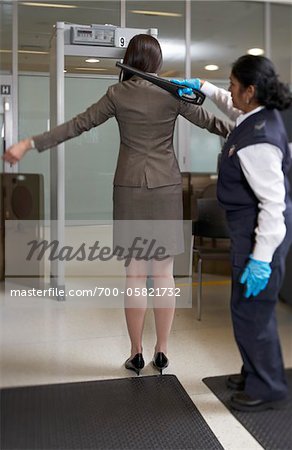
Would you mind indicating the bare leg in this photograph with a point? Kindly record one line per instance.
(136, 305)
(164, 306)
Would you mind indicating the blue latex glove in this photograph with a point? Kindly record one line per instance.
(193, 83)
(256, 276)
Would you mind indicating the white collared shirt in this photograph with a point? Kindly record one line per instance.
(262, 167)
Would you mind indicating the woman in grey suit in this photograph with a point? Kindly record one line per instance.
(147, 182)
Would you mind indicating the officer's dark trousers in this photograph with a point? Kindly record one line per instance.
(254, 319)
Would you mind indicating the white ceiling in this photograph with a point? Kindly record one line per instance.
(221, 31)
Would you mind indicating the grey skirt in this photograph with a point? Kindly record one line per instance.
(149, 221)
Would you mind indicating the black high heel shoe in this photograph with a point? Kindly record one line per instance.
(136, 363)
(160, 361)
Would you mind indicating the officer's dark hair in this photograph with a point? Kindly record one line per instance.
(144, 53)
(260, 72)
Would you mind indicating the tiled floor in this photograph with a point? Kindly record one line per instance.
(45, 341)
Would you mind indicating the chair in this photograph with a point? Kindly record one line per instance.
(210, 226)
(187, 192)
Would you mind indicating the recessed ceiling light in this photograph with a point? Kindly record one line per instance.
(31, 52)
(155, 13)
(89, 68)
(255, 51)
(48, 5)
(92, 60)
(211, 67)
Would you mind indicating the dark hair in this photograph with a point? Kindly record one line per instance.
(260, 72)
(143, 53)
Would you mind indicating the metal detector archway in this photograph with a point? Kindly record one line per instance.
(103, 41)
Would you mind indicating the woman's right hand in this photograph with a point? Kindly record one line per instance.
(16, 152)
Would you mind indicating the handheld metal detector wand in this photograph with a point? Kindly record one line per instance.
(197, 97)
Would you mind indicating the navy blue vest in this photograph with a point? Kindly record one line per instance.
(233, 191)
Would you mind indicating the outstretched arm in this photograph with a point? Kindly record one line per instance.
(204, 119)
(95, 115)
(221, 98)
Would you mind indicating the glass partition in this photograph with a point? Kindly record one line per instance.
(6, 37)
(169, 18)
(90, 159)
(221, 32)
(281, 40)
(34, 119)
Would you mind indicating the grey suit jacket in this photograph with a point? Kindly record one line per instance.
(146, 116)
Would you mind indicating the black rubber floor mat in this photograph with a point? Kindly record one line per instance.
(152, 412)
(271, 428)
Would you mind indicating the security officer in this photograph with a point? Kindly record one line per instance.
(253, 189)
